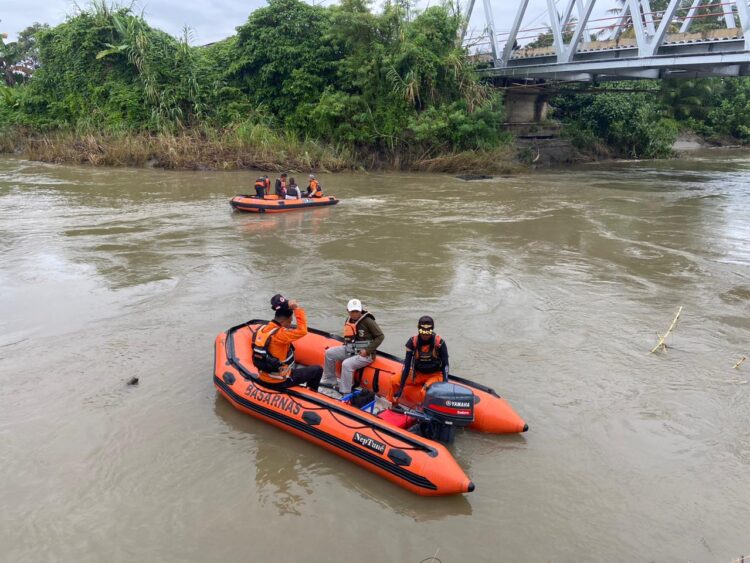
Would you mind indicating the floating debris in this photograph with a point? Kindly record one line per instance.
(469, 177)
(133, 381)
(738, 364)
(662, 344)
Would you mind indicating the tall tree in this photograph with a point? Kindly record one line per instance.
(19, 59)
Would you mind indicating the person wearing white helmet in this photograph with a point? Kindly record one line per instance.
(314, 189)
(362, 336)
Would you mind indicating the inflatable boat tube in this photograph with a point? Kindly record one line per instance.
(272, 204)
(492, 413)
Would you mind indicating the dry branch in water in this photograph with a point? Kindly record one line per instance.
(738, 364)
(662, 344)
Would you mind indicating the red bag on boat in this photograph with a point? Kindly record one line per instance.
(398, 419)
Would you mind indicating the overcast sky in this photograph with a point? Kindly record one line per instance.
(217, 19)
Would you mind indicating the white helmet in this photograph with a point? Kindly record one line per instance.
(311, 176)
(354, 305)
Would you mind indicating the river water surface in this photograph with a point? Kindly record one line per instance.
(549, 288)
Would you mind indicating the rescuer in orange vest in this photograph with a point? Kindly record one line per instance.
(273, 351)
(426, 362)
(313, 188)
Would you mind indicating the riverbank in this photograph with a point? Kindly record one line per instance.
(229, 150)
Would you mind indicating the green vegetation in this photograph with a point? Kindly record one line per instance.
(645, 124)
(310, 87)
(19, 59)
(632, 125)
(334, 87)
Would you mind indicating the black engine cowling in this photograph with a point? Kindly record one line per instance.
(448, 405)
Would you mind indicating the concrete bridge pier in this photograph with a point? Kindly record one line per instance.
(525, 105)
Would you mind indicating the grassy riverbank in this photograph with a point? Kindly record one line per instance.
(299, 87)
(231, 149)
(313, 88)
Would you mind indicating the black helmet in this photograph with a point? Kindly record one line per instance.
(426, 325)
(278, 302)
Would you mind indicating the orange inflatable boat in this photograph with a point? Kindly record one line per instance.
(272, 203)
(381, 442)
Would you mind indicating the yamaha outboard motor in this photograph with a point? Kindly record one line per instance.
(446, 405)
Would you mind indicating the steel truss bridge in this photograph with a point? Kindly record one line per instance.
(639, 42)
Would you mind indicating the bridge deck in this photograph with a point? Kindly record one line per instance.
(718, 52)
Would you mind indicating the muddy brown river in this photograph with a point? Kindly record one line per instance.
(549, 287)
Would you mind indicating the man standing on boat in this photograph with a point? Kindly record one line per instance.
(426, 362)
(273, 352)
(260, 187)
(362, 336)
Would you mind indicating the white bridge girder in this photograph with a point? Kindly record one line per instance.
(655, 51)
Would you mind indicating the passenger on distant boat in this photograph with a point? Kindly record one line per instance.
(260, 187)
(314, 189)
(281, 187)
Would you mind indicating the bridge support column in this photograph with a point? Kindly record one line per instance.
(527, 105)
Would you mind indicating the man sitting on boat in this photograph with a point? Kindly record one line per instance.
(314, 188)
(426, 362)
(293, 191)
(273, 351)
(362, 336)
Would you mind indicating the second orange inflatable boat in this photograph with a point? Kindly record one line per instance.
(272, 203)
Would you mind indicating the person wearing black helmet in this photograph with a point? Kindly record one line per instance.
(426, 362)
(278, 301)
(273, 351)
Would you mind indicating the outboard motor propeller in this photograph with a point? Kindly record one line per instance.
(447, 406)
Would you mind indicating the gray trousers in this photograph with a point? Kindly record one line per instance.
(349, 364)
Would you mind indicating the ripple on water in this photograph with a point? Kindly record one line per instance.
(737, 295)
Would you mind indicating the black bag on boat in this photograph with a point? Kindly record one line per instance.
(362, 399)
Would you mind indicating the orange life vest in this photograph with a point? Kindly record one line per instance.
(271, 369)
(352, 340)
(315, 190)
(426, 356)
(260, 183)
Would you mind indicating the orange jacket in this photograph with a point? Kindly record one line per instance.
(282, 340)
